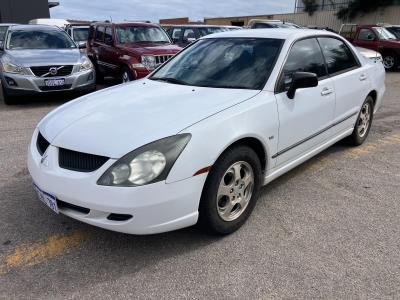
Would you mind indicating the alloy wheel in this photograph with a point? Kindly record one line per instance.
(364, 120)
(388, 62)
(235, 191)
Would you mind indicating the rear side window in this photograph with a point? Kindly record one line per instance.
(176, 33)
(189, 34)
(339, 58)
(305, 56)
(99, 33)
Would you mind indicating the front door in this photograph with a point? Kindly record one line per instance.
(305, 119)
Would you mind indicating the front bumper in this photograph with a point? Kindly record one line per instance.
(30, 84)
(155, 208)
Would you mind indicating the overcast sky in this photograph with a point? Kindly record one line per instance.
(154, 10)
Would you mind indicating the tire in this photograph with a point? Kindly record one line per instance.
(126, 75)
(8, 100)
(221, 214)
(363, 124)
(390, 61)
(98, 74)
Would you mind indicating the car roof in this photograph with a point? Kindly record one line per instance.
(7, 24)
(34, 26)
(201, 26)
(273, 33)
(126, 24)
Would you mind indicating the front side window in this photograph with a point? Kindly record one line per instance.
(189, 34)
(108, 36)
(338, 56)
(99, 33)
(39, 39)
(305, 56)
(239, 63)
(140, 34)
(176, 34)
(366, 35)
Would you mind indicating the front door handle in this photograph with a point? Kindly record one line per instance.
(326, 92)
(363, 77)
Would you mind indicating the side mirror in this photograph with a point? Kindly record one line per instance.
(81, 45)
(302, 80)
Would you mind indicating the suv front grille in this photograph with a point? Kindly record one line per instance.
(80, 162)
(42, 144)
(52, 71)
(160, 59)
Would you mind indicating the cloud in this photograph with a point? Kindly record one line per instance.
(154, 10)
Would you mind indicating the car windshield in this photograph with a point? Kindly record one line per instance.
(138, 34)
(239, 63)
(39, 39)
(274, 25)
(210, 30)
(3, 31)
(384, 34)
(81, 34)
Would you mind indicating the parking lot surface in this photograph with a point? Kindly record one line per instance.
(328, 229)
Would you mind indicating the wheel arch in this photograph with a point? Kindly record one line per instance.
(374, 95)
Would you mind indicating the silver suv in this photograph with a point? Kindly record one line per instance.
(42, 59)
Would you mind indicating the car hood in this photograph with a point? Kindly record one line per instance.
(45, 57)
(150, 48)
(117, 120)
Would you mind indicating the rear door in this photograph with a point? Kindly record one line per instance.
(350, 80)
(98, 48)
(305, 119)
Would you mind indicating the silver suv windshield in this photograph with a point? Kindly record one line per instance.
(81, 34)
(39, 39)
(237, 63)
(138, 34)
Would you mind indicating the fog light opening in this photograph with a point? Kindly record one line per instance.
(119, 217)
(10, 81)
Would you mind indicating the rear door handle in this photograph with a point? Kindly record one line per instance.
(363, 77)
(326, 92)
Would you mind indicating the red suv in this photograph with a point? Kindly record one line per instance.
(128, 51)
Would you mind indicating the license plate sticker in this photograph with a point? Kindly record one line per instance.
(54, 82)
(46, 198)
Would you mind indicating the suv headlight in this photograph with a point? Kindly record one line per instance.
(149, 61)
(85, 65)
(148, 164)
(13, 68)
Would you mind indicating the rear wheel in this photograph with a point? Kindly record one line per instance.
(363, 124)
(231, 190)
(390, 61)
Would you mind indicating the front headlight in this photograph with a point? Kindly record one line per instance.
(149, 61)
(148, 164)
(12, 68)
(86, 65)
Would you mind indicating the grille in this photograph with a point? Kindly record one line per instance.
(80, 162)
(160, 59)
(42, 144)
(55, 88)
(44, 71)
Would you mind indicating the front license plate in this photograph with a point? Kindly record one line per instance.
(46, 198)
(54, 82)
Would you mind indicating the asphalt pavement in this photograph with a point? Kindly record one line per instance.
(329, 229)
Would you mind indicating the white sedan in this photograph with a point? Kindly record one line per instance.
(195, 141)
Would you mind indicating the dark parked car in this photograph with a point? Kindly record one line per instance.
(375, 38)
(128, 51)
(261, 24)
(184, 35)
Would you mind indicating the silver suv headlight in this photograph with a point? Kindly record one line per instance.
(148, 164)
(9, 67)
(85, 65)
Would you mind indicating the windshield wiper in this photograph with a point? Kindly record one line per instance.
(170, 80)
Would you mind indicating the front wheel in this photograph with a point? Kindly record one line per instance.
(231, 191)
(126, 75)
(389, 61)
(363, 124)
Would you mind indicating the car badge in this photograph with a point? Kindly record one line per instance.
(53, 71)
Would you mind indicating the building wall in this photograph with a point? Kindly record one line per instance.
(22, 11)
(323, 5)
(389, 15)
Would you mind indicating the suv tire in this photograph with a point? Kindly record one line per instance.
(363, 124)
